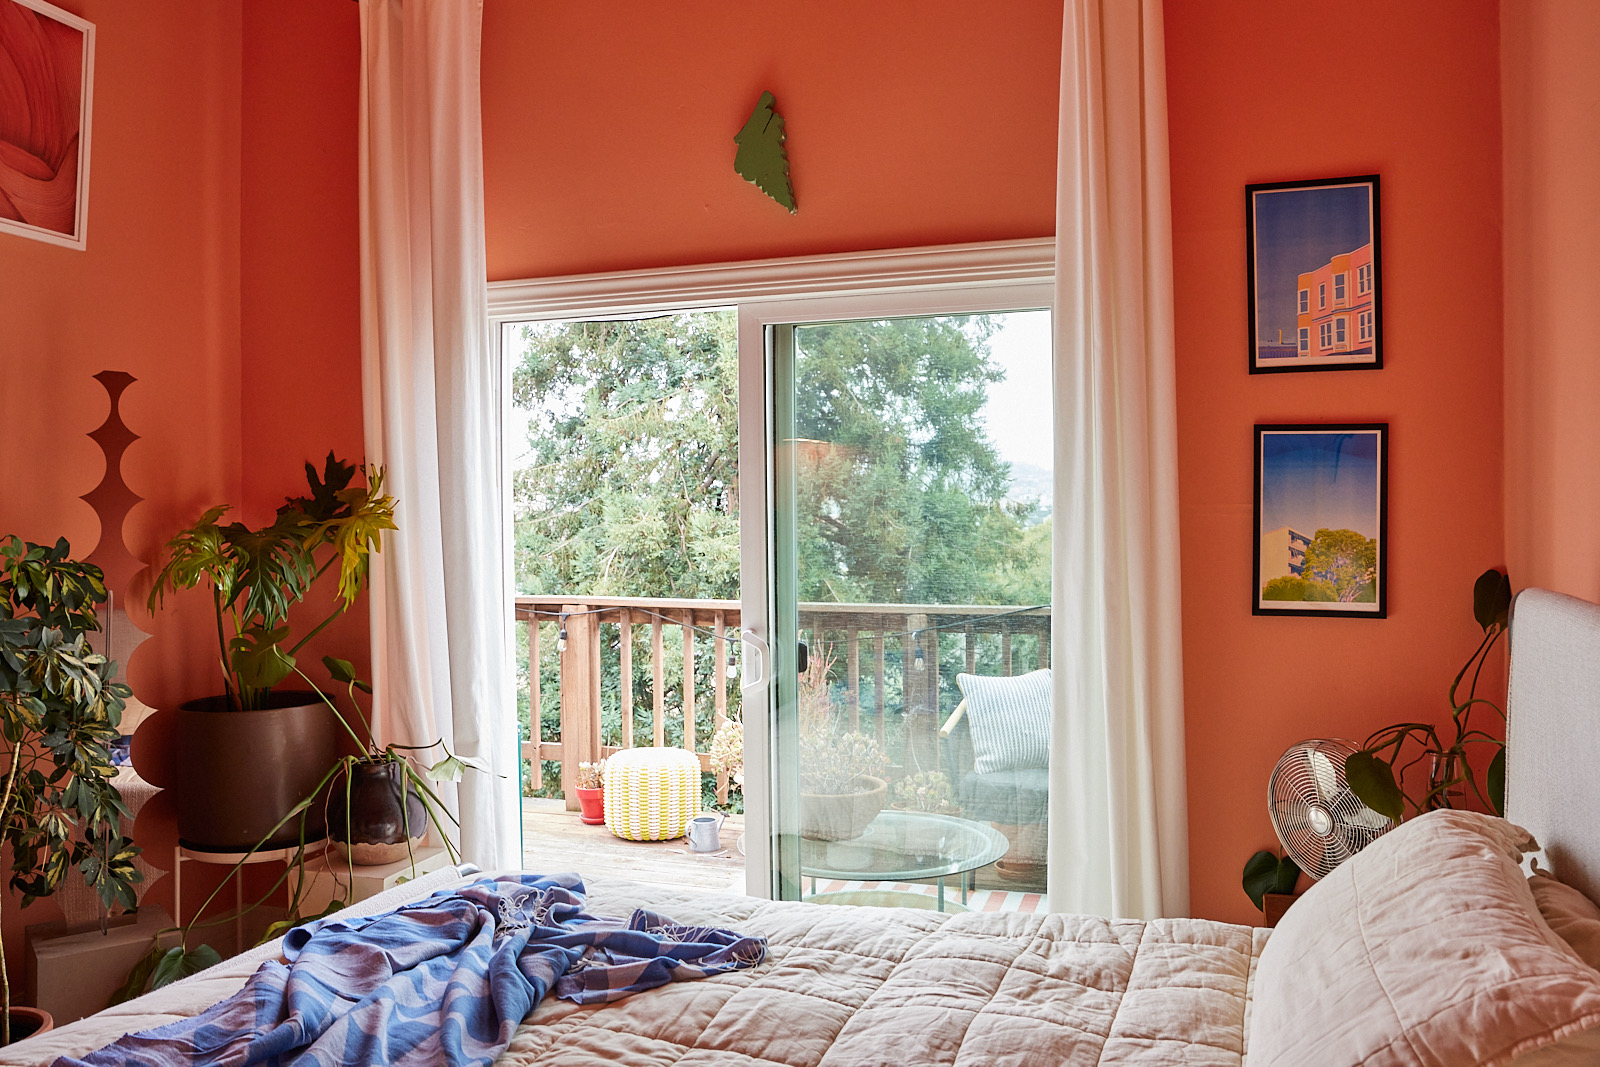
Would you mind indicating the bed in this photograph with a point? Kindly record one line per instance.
(1430, 947)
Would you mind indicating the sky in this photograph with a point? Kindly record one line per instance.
(1298, 230)
(1017, 414)
(1313, 481)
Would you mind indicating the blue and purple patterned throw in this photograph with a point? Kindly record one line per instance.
(446, 980)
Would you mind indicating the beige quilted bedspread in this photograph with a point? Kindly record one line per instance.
(855, 987)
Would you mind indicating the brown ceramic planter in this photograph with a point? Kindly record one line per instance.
(240, 772)
(375, 830)
(842, 816)
(29, 1022)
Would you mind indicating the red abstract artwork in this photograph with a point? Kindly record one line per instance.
(46, 58)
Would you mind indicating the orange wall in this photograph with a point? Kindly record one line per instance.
(156, 293)
(1552, 404)
(1424, 76)
(300, 305)
(608, 129)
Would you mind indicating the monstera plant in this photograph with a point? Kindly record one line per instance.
(1378, 771)
(256, 576)
(59, 712)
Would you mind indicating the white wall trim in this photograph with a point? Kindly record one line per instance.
(991, 263)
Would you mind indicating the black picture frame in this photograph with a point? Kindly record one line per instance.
(1312, 229)
(1312, 479)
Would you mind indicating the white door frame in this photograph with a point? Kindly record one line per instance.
(947, 279)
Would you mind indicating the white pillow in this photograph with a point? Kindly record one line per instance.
(1572, 916)
(1009, 719)
(1424, 948)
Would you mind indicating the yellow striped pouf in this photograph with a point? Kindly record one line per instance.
(651, 793)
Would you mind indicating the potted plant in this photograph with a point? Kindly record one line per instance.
(246, 757)
(727, 752)
(1372, 770)
(930, 793)
(842, 788)
(59, 712)
(591, 782)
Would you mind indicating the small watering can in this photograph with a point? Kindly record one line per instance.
(705, 833)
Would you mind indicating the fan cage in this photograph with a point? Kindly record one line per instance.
(1317, 816)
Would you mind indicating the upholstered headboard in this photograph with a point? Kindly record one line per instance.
(1553, 732)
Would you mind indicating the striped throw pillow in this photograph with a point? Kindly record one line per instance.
(1009, 719)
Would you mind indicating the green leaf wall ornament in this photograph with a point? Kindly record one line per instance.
(761, 158)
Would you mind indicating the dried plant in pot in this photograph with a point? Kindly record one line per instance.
(59, 713)
(842, 773)
(590, 785)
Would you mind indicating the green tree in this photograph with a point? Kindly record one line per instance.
(901, 494)
(1345, 560)
(1290, 587)
(629, 486)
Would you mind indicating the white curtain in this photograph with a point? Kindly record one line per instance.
(1118, 822)
(440, 610)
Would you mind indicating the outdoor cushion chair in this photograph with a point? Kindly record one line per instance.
(1002, 767)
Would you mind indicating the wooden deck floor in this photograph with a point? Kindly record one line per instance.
(554, 839)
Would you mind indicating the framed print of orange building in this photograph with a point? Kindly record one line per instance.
(46, 89)
(1314, 275)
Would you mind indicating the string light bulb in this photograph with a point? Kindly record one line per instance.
(916, 660)
(561, 635)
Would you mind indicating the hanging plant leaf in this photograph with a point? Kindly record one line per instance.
(1491, 598)
(1372, 781)
(761, 158)
(1266, 872)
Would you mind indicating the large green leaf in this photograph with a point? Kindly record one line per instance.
(1266, 873)
(139, 977)
(1372, 781)
(1491, 598)
(1497, 781)
(178, 964)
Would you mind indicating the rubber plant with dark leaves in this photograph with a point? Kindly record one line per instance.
(255, 577)
(1377, 772)
(59, 712)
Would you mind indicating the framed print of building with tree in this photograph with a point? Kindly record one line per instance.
(1321, 531)
(1315, 282)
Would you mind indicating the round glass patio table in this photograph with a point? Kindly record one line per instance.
(906, 846)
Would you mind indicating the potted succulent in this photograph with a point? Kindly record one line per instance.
(591, 782)
(929, 793)
(245, 757)
(59, 712)
(1376, 772)
(842, 788)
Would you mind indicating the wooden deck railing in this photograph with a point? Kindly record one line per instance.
(581, 627)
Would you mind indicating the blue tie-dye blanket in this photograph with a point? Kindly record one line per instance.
(443, 981)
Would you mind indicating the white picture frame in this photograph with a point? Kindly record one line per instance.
(32, 202)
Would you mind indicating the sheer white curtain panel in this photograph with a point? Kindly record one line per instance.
(1118, 820)
(440, 606)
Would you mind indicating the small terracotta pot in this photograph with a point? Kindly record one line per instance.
(29, 1022)
(593, 805)
(376, 830)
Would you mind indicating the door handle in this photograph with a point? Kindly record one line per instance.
(753, 644)
(803, 657)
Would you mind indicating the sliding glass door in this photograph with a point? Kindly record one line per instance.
(908, 562)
